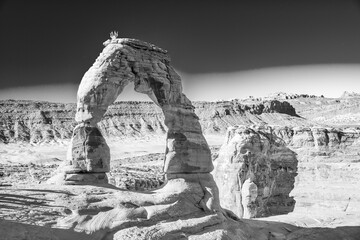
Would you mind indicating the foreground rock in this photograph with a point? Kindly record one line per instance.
(103, 213)
(255, 172)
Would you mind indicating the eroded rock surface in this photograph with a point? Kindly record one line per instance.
(103, 212)
(259, 153)
(190, 196)
(44, 122)
(128, 60)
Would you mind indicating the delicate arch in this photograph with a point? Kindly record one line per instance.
(129, 60)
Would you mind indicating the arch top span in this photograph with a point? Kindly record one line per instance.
(125, 60)
(135, 43)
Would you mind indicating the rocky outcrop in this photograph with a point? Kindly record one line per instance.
(283, 95)
(128, 60)
(340, 112)
(319, 138)
(347, 94)
(35, 122)
(39, 122)
(258, 155)
(215, 118)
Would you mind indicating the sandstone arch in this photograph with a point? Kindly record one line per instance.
(190, 190)
(188, 205)
(128, 60)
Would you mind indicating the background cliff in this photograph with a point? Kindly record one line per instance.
(37, 122)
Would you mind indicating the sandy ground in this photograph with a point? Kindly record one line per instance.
(25, 153)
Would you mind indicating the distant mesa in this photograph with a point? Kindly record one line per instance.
(347, 94)
(287, 96)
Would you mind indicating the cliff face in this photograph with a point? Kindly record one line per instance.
(322, 138)
(35, 121)
(342, 112)
(38, 122)
(258, 152)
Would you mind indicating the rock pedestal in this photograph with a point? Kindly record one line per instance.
(88, 157)
(89, 151)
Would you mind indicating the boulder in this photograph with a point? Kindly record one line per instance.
(255, 158)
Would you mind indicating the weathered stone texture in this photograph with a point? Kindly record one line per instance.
(89, 152)
(43, 122)
(253, 151)
(128, 60)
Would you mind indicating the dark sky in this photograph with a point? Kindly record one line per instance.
(48, 42)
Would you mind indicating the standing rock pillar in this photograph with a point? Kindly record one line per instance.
(186, 148)
(89, 156)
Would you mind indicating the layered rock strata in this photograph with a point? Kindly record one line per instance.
(42, 122)
(255, 155)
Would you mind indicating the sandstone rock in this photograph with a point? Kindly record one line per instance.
(123, 61)
(86, 178)
(248, 197)
(89, 152)
(256, 151)
(35, 122)
(302, 137)
(347, 94)
(99, 213)
(42, 122)
(39, 122)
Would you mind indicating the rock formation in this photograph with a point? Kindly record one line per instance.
(259, 154)
(347, 94)
(248, 197)
(43, 122)
(128, 60)
(190, 191)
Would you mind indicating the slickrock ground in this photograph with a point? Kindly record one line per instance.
(97, 208)
(28, 212)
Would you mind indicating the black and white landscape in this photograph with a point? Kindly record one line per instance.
(250, 130)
